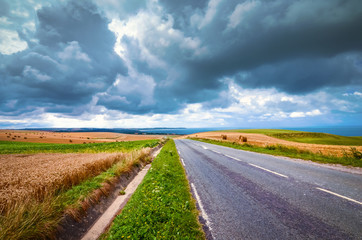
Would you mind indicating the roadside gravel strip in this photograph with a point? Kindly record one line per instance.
(106, 219)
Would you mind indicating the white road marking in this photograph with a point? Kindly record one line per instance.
(281, 175)
(203, 213)
(233, 157)
(216, 151)
(204, 147)
(183, 163)
(338, 195)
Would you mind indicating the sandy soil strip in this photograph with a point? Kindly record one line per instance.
(106, 219)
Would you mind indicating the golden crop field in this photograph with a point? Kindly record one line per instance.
(264, 140)
(24, 176)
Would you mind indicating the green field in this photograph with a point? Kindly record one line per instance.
(7, 147)
(305, 137)
(162, 206)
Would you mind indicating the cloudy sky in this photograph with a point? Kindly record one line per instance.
(171, 63)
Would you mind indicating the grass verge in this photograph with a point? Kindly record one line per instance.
(305, 137)
(7, 147)
(162, 206)
(352, 158)
(34, 219)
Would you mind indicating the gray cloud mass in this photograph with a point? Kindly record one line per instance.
(73, 60)
(175, 53)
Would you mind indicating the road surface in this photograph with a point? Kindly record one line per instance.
(245, 195)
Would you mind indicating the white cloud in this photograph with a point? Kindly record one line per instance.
(287, 99)
(315, 112)
(73, 51)
(238, 14)
(4, 21)
(358, 94)
(210, 13)
(35, 73)
(29, 26)
(312, 113)
(155, 35)
(297, 114)
(272, 105)
(10, 42)
(139, 28)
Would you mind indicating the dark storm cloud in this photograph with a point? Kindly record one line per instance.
(281, 31)
(304, 75)
(73, 61)
(294, 46)
(177, 54)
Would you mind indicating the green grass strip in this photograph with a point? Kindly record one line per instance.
(304, 137)
(7, 147)
(353, 158)
(162, 206)
(78, 193)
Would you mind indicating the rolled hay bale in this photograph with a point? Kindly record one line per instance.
(243, 139)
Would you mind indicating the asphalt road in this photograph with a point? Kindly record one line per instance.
(245, 195)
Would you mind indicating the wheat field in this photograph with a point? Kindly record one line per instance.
(37, 175)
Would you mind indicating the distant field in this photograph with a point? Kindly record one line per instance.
(305, 137)
(7, 147)
(70, 137)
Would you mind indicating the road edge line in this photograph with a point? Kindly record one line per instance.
(183, 163)
(203, 212)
